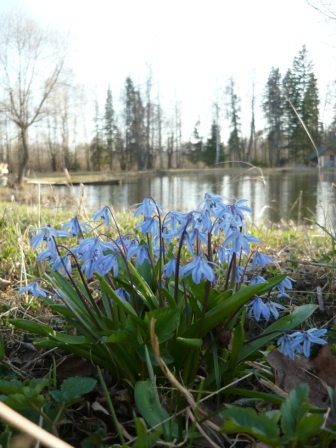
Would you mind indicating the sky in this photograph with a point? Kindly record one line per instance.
(193, 47)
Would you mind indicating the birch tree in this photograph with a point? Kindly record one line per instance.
(32, 68)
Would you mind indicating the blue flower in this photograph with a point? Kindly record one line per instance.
(258, 308)
(90, 248)
(311, 336)
(35, 289)
(224, 255)
(169, 268)
(149, 225)
(285, 283)
(291, 343)
(239, 241)
(273, 307)
(105, 263)
(257, 279)
(75, 226)
(175, 220)
(141, 253)
(213, 204)
(105, 214)
(123, 294)
(237, 208)
(89, 267)
(148, 207)
(45, 234)
(50, 253)
(64, 264)
(199, 269)
(288, 344)
(239, 274)
(261, 259)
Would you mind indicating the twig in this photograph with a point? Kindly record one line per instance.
(320, 298)
(311, 263)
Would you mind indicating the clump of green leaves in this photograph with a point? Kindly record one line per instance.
(295, 424)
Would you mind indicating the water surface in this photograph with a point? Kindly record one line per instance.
(274, 196)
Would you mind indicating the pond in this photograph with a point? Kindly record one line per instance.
(275, 195)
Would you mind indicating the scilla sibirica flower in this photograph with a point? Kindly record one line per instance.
(261, 260)
(74, 226)
(289, 343)
(35, 289)
(285, 283)
(148, 207)
(105, 214)
(258, 308)
(199, 269)
(44, 234)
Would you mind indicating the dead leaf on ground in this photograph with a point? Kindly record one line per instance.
(290, 374)
(325, 365)
(72, 365)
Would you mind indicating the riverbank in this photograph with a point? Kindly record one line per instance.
(108, 177)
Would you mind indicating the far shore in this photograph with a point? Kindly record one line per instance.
(118, 177)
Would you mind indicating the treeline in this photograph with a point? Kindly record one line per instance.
(54, 132)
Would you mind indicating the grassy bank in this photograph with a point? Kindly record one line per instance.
(93, 408)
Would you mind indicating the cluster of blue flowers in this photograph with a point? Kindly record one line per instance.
(195, 231)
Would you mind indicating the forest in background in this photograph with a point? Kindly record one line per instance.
(48, 122)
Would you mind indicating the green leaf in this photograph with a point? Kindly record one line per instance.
(294, 409)
(124, 305)
(238, 420)
(32, 327)
(221, 311)
(189, 342)
(151, 411)
(145, 440)
(75, 387)
(237, 345)
(165, 355)
(170, 299)
(309, 427)
(143, 288)
(75, 304)
(166, 322)
(288, 322)
(255, 395)
(5, 438)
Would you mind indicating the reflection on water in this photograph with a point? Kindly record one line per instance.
(274, 197)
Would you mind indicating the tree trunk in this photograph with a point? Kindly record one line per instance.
(25, 158)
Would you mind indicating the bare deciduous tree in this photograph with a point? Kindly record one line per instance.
(32, 68)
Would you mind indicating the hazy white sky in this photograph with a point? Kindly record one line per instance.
(191, 45)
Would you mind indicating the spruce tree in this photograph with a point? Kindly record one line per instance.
(210, 148)
(233, 114)
(196, 148)
(109, 128)
(273, 108)
(301, 93)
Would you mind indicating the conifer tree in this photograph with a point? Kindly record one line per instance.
(196, 148)
(273, 111)
(301, 93)
(233, 111)
(209, 155)
(109, 128)
(97, 144)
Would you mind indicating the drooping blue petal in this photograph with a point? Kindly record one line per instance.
(258, 308)
(74, 226)
(261, 259)
(35, 289)
(105, 214)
